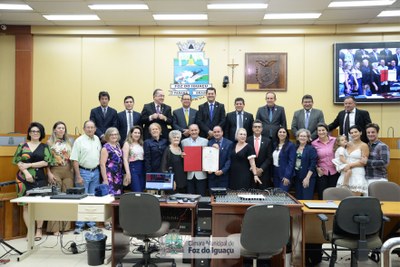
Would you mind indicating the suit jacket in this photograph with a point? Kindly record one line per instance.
(264, 159)
(103, 122)
(231, 123)
(298, 122)
(179, 121)
(122, 124)
(200, 141)
(362, 119)
(309, 160)
(278, 120)
(203, 118)
(287, 161)
(149, 109)
(225, 151)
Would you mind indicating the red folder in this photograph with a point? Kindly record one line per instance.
(192, 159)
(384, 75)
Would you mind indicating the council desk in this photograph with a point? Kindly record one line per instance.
(90, 208)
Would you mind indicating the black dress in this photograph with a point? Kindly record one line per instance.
(240, 175)
(174, 163)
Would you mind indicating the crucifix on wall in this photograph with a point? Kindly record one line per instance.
(233, 65)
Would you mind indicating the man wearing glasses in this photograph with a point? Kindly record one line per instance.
(184, 116)
(263, 148)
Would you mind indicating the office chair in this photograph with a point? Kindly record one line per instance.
(387, 191)
(336, 193)
(265, 231)
(140, 217)
(384, 191)
(357, 225)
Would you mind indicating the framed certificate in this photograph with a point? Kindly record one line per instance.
(210, 159)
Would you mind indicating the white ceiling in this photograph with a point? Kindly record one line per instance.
(215, 17)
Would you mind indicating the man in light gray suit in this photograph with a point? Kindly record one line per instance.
(307, 118)
(184, 116)
(197, 181)
(272, 116)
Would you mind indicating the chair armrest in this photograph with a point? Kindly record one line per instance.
(385, 219)
(323, 219)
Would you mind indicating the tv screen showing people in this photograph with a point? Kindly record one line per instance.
(159, 181)
(368, 71)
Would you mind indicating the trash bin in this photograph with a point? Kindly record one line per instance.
(95, 247)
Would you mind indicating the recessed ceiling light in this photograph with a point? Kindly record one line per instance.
(15, 7)
(361, 3)
(119, 7)
(390, 13)
(71, 17)
(180, 17)
(237, 6)
(292, 16)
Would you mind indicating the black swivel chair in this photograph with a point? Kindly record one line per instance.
(265, 231)
(357, 225)
(140, 217)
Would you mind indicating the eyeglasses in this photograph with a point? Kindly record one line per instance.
(34, 132)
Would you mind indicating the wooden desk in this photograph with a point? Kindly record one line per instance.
(120, 242)
(90, 208)
(227, 218)
(312, 231)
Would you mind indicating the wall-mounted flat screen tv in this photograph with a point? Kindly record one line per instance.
(368, 71)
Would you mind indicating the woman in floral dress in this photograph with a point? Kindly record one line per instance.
(60, 173)
(111, 162)
(32, 158)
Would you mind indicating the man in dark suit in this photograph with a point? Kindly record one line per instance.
(127, 118)
(307, 118)
(396, 57)
(238, 119)
(156, 111)
(210, 114)
(386, 54)
(351, 116)
(103, 116)
(263, 148)
(184, 116)
(272, 116)
(220, 178)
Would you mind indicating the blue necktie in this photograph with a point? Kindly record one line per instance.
(211, 111)
(270, 114)
(307, 118)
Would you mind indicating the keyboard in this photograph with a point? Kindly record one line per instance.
(68, 196)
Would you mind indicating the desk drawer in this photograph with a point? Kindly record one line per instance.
(91, 209)
(95, 217)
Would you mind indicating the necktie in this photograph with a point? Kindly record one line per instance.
(270, 114)
(211, 111)
(257, 145)
(104, 111)
(158, 109)
(240, 118)
(347, 124)
(307, 118)
(187, 117)
(130, 121)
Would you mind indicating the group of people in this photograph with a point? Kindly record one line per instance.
(363, 72)
(117, 149)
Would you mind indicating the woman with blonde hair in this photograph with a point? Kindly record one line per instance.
(111, 161)
(60, 173)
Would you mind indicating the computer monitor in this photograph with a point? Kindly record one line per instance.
(159, 181)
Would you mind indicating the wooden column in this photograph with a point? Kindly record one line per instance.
(23, 75)
(23, 78)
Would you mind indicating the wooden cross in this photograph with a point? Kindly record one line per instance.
(233, 65)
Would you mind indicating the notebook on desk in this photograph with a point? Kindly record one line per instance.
(321, 205)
